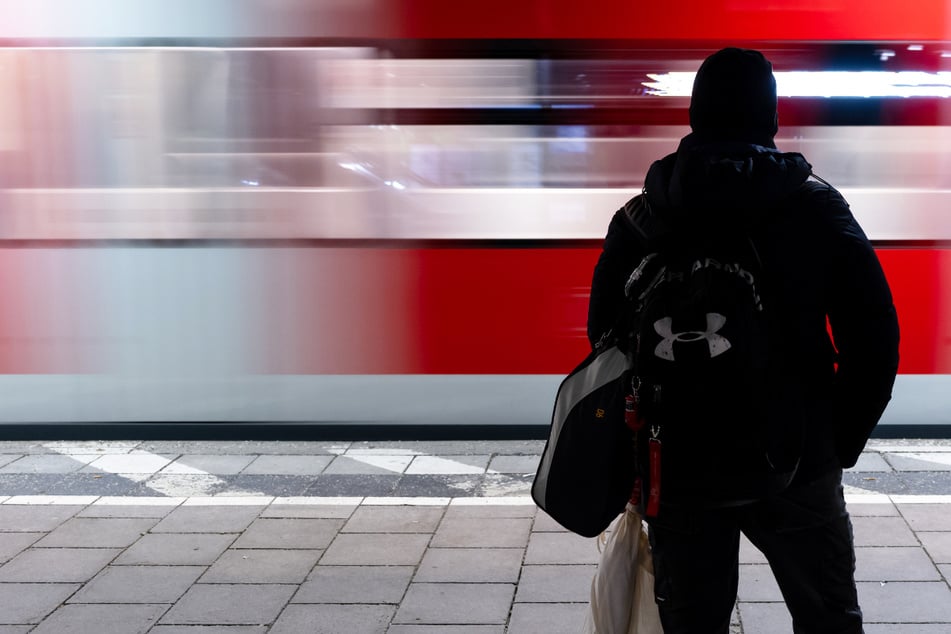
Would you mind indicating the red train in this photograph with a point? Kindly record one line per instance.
(377, 213)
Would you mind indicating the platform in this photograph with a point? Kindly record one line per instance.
(401, 537)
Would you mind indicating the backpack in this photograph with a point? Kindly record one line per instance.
(710, 414)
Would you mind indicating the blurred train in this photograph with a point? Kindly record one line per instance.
(262, 216)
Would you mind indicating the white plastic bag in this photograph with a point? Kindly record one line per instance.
(622, 591)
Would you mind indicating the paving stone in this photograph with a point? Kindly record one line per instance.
(938, 546)
(101, 619)
(208, 629)
(208, 519)
(905, 602)
(932, 461)
(927, 517)
(173, 549)
(515, 464)
(482, 533)
(366, 549)
(355, 584)
(506, 485)
(12, 544)
(181, 485)
(555, 584)
(456, 603)
(561, 548)
(907, 628)
(250, 604)
(30, 602)
(876, 482)
(757, 583)
(262, 566)
(273, 485)
(28, 484)
(334, 619)
(750, 554)
(448, 465)
(139, 584)
(97, 533)
(368, 464)
(551, 618)
(894, 564)
(57, 565)
(872, 510)
(6, 459)
(309, 511)
(765, 618)
(108, 484)
(136, 461)
(882, 531)
(472, 565)
(353, 485)
(394, 519)
(131, 510)
(945, 571)
(215, 464)
(490, 511)
(545, 524)
(34, 519)
(437, 485)
(925, 482)
(288, 465)
(870, 462)
(47, 464)
(289, 533)
(15, 629)
(446, 629)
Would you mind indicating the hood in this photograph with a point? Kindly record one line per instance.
(723, 179)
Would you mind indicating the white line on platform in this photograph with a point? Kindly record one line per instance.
(229, 500)
(265, 500)
(317, 501)
(112, 500)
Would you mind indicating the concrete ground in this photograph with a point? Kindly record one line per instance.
(401, 537)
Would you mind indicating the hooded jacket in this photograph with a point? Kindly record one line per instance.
(826, 291)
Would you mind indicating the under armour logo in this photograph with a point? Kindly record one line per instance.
(718, 343)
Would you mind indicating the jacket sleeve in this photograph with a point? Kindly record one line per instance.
(864, 328)
(619, 255)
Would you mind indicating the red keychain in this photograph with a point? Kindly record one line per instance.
(632, 416)
(653, 495)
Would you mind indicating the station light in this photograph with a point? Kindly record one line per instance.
(872, 84)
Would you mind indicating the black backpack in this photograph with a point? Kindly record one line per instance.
(710, 413)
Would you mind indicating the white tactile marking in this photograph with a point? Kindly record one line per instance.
(224, 500)
(406, 501)
(921, 499)
(317, 501)
(867, 498)
(515, 500)
(138, 501)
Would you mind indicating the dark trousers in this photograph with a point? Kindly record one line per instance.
(806, 536)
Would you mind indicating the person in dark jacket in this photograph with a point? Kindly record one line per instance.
(824, 277)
